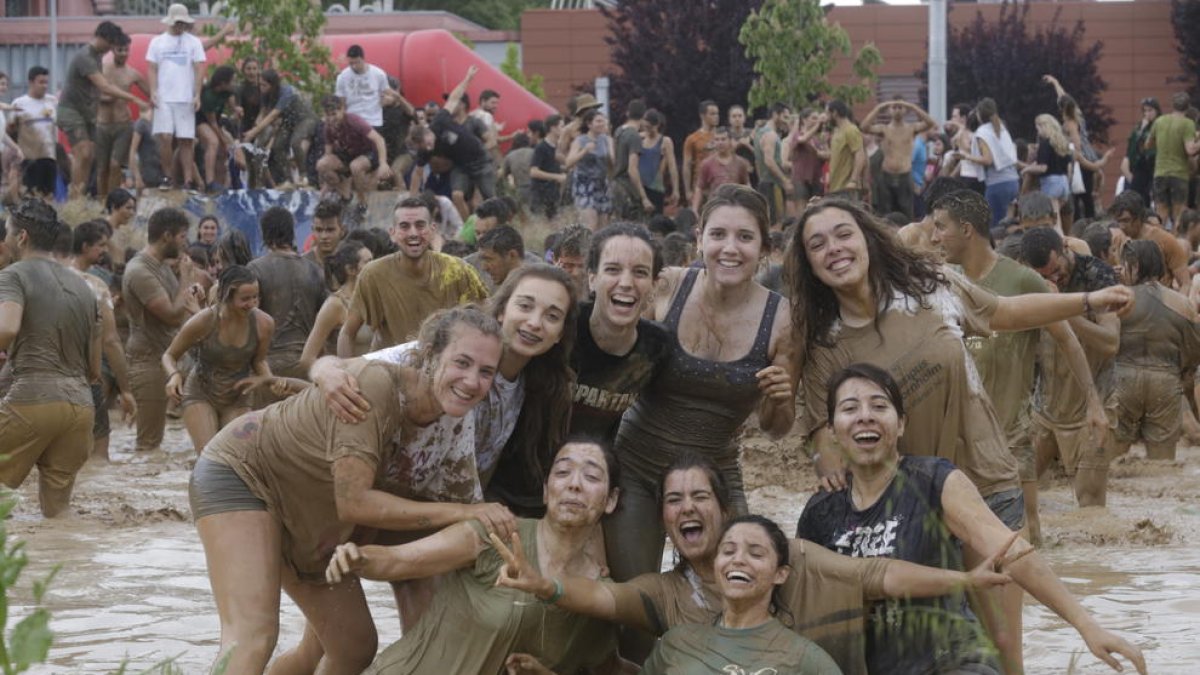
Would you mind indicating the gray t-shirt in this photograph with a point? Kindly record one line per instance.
(80, 94)
(292, 292)
(58, 316)
(145, 279)
(629, 142)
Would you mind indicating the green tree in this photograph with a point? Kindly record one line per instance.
(284, 35)
(511, 67)
(793, 48)
(29, 641)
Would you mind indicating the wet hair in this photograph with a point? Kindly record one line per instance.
(331, 102)
(897, 218)
(1038, 243)
(779, 542)
(488, 94)
(328, 208)
(1180, 101)
(1129, 202)
(677, 250)
(685, 221)
(1069, 108)
(1099, 238)
(355, 52)
(502, 239)
(421, 201)
(118, 198)
(1035, 206)
(732, 194)
(661, 225)
(521, 139)
(572, 240)
(863, 371)
(230, 279)
(224, 75)
(717, 481)
(611, 464)
(537, 127)
(635, 110)
(552, 121)
(376, 240)
(456, 248)
(542, 424)
(89, 233)
(968, 207)
(494, 208)
(271, 77)
(840, 108)
(278, 227)
(654, 118)
(623, 229)
(720, 131)
(1144, 256)
(344, 256)
(894, 268)
(166, 222)
(63, 238)
(1188, 220)
(199, 253)
(437, 331)
(706, 104)
(109, 32)
(234, 249)
(36, 72)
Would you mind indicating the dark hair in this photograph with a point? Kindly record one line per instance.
(1038, 243)
(376, 240)
(732, 194)
(612, 465)
(456, 248)
(88, 233)
(654, 118)
(1099, 238)
(494, 208)
(63, 238)
(118, 198)
(537, 127)
(1129, 202)
(779, 542)
(331, 102)
(863, 371)
(635, 110)
(986, 110)
(840, 108)
(780, 107)
(224, 75)
(230, 278)
(1180, 101)
(968, 207)
(234, 248)
(344, 256)
(552, 121)
(421, 201)
(587, 117)
(330, 207)
(941, 186)
(543, 424)
(166, 222)
(660, 225)
(898, 218)
(488, 94)
(207, 218)
(502, 239)
(622, 229)
(894, 268)
(271, 77)
(278, 227)
(200, 254)
(1068, 107)
(706, 104)
(571, 240)
(1146, 257)
(355, 52)
(677, 250)
(109, 32)
(720, 131)
(1188, 219)
(520, 140)
(691, 459)
(1034, 206)
(685, 221)
(36, 72)
(38, 220)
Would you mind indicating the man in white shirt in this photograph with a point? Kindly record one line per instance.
(364, 88)
(33, 119)
(175, 62)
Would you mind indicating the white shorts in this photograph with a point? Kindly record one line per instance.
(175, 119)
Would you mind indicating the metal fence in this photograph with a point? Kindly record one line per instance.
(16, 60)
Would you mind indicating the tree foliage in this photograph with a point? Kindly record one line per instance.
(286, 36)
(1185, 18)
(1006, 59)
(675, 54)
(793, 48)
(511, 67)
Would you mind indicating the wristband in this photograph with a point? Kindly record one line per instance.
(558, 593)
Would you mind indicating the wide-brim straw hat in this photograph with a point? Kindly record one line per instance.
(177, 13)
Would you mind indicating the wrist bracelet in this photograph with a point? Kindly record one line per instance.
(558, 593)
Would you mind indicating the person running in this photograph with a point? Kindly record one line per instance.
(721, 168)
(591, 158)
(698, 146)
(1160, 343)
(175, 63)
(230, 340)
(924, 507)
(499, 623)
(898, 142)
(276, 490)
(996, 153)
(158, 303)
(49, 325)
(397, 292)
(114, 123)
(751, 566)
(292, 291)
(1053, 162)
(715, 375)
(847, 157)
(342, 269)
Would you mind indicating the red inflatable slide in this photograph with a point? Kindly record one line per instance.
(428, 64)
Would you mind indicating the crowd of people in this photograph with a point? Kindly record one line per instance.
(508, 429)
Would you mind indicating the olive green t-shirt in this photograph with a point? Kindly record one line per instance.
(1007, 361)
(699, 649)
(845, 143)
(49, 356)
(79, 93)
(147, 278)
(1170, 132)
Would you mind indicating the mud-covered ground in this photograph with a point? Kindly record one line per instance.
(132, 583)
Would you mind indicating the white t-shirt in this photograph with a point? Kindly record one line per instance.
(176, 56)
(362, 93)
(37, 119)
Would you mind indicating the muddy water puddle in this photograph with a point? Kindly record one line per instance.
(132, 584)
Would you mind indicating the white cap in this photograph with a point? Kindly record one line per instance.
(177, 13)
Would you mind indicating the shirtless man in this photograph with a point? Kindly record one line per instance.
(698, 146)
(114, 124)
(898, 137)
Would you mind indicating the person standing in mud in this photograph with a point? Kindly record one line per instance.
(292, 290)
(157, 303)
(397, 292)
(231, 340)
(49, 324)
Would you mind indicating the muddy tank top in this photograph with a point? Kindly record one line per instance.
(1154, 335)
(693, 403)
(219, 366)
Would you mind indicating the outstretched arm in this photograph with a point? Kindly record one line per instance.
(445, 551)
(457, 93)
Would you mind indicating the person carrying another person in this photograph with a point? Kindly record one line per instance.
(175, 63)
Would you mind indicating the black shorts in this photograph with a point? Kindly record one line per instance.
(39, 175)
(347, 158)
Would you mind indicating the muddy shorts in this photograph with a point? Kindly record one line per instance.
(112, 143)
(1168, 190)
(1009, 507)
(1073, 441)
(1144, 404)
(480, 176)
(77, 127)
(101, 427)
(217, 488)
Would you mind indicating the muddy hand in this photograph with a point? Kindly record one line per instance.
(516, 572)
(990, 572)
(128, 407)
(254, 382)
(775, 383)
(346, 560)
(1117, 299)
(496, 518)
(1104, 644)
(342, 395)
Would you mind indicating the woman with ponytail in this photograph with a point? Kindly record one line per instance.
(230, 340)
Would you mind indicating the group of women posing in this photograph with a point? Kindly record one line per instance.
(480, 455)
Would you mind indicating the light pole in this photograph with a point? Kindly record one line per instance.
(54, 47)
(937, 60)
